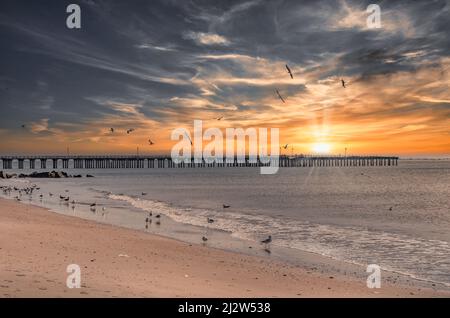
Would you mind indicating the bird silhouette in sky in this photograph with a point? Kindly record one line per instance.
(111, 130)
(289, 71)
(150, 142)
(188, 138)
(343, 83)
(23, 126)
(285, 146)
(279, 95)
(219, 118)
(130, 130)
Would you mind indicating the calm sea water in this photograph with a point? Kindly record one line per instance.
(396, 217)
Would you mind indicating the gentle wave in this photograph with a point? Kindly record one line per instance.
(418, 258)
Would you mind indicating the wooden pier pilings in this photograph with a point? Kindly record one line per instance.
(141, 162)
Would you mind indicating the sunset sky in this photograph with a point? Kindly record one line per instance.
(159, 65)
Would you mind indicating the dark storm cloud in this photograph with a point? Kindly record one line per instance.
(152, 53)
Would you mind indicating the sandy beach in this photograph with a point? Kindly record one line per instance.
(37, 246)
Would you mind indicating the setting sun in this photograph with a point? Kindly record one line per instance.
(322, 148)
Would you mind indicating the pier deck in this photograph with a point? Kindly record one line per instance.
(141, 162)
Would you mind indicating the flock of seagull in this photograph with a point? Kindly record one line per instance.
(151, 143)
(19, 194)
(129, 131)
(65, 199)
(292, 77)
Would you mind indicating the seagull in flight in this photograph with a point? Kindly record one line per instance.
(219, 118)
(188, 138)
(343, 82)
(23, 126)
(285, 146)
(130, 130)
(150, 142)
(289, 71)
(111, 130)
(279, 95)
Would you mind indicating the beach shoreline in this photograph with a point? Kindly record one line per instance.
(37, 245)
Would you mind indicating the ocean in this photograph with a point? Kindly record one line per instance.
(395, 217)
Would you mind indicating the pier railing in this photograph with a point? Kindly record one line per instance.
(141, 162)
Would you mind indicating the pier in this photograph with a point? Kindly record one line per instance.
(142, 162)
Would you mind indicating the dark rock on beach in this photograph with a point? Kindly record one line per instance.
(52, 174)
(4, 175)
(46, 174)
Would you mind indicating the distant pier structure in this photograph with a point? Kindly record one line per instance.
(141, 162)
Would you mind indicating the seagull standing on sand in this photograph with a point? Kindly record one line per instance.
(267, 240)
(279, 95)
(289, 71)
(266, 243)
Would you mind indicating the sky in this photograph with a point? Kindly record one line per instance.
(159, 65)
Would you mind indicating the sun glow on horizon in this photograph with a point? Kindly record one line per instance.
(321, 148)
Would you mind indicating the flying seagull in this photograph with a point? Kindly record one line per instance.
(23, 126)
(285, 146)
(219, 118)
(130, 130)
(225, 206)
(188, 138)
(111, 130)
(150, 142)
(279, 95)
(204, 238)
(343, 83)
(289, 71)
